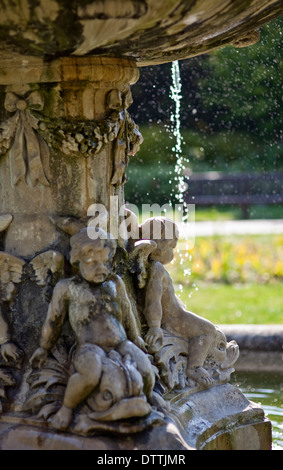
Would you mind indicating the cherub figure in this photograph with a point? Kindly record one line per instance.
(163, 310)
(101, 317)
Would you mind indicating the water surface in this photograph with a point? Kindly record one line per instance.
(267, 390)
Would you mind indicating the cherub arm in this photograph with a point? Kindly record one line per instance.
(4, 331)
(153, 296)
(128, 318)
(52, 326)
(153, 306)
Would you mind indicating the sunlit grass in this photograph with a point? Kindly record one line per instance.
(235, 304)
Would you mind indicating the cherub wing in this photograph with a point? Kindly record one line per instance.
(69, 225)
(5, 221)
(49, 263)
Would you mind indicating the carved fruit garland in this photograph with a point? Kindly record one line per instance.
(27, 148)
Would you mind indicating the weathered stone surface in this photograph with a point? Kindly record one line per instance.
(148, 31)
(61, 123)
(220, 418)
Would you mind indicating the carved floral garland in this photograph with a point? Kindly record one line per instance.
(28, 136)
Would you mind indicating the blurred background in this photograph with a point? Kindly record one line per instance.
(232, 148)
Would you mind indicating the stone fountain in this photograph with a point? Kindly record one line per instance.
(97, 352)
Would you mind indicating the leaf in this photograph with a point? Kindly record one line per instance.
(48, 410)
(6, 378)
(41, 398)
(49, 379)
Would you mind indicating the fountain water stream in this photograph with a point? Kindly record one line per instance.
(181, 161)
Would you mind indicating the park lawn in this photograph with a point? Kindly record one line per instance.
(234, 304)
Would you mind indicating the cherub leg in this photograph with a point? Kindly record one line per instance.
(199, 345)
(88, 366)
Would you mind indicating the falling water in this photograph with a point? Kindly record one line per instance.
(181, 161)
(180, 165)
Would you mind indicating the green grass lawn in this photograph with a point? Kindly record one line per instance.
(244, 303)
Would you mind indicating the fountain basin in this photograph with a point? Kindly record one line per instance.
(147, 31)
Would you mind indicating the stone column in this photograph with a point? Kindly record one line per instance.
(65, 137)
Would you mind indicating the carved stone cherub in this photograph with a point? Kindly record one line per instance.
(100, 315)
(163, 310)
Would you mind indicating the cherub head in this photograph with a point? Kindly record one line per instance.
(94, 255)
(164, 232)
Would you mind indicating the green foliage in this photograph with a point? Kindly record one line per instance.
(231, 115)
(244, 89)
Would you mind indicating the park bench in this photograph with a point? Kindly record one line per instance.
(235, 189)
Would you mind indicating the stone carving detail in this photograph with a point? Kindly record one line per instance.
(108, 344)
(187, 349)
(27, 149)
(48, 268)
(128, 139)
(5, 221)
(88, 138)
(110, 372)
(79, 138)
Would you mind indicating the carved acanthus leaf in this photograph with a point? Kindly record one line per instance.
(171, 360)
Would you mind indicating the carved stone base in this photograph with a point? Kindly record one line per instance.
(219, 418)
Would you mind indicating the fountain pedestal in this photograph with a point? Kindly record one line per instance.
(65, 140)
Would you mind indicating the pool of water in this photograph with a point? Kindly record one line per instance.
(267, 390)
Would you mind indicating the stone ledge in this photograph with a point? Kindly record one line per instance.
(218, 418)
(261, 347)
